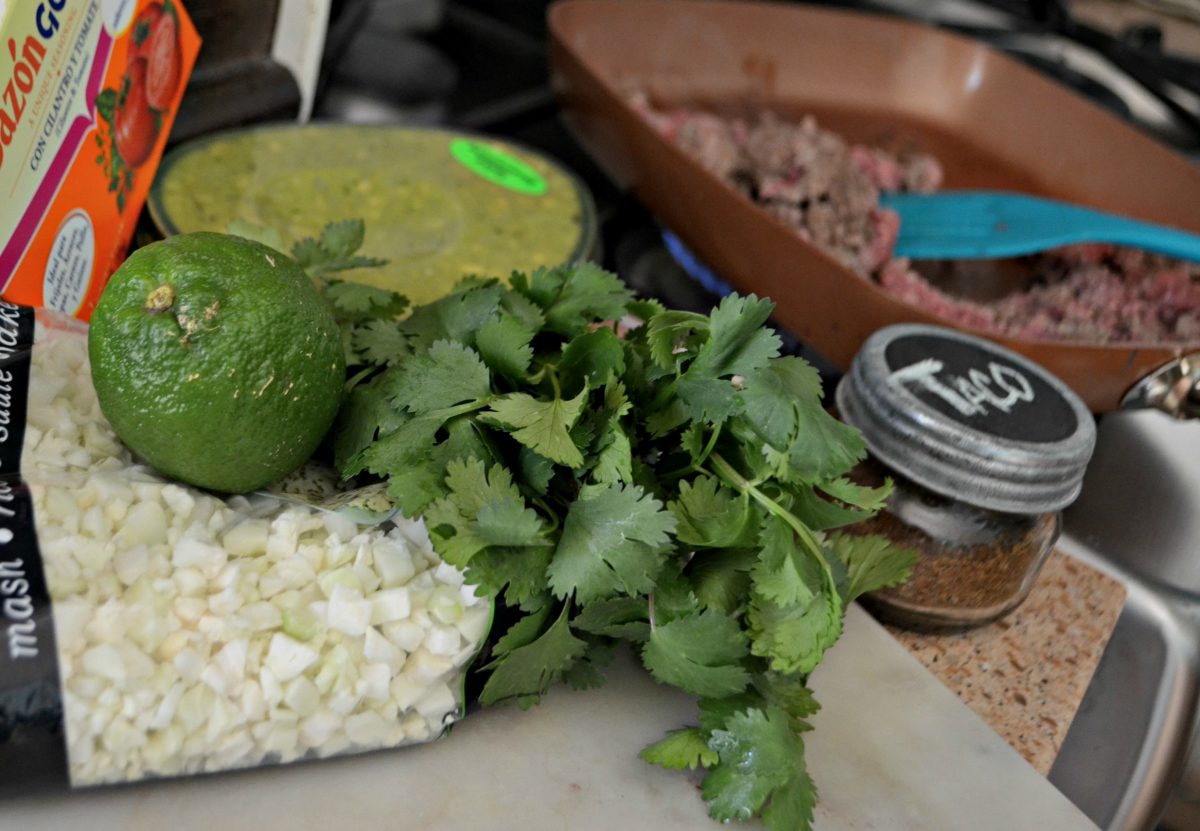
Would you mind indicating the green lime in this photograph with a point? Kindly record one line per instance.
(216, 360)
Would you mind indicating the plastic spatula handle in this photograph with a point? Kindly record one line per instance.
(963, 225)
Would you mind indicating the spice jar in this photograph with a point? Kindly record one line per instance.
(985, 448)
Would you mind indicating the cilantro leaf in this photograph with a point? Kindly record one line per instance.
(591, 359)
(574, 296)
(823, 447)
(790, 694)
(585, 673)
(503, 343)
(365, 414)
(673, 595)
(457, 316)
(873, 562)
(758, 754)
(530, 669)
(359, 302)
(618, 617)
(715, 713)
(542, 426)
(522, 633)
(770, 395)
(447, 374)
(526, 312)
(536, 469)
(342, 239)
(693, 440)
(379, 342)
(334, 250)
(721, 578)
(420, 484)
(308, 253)
(673, 334)
(686, 748)
(794, 638)
(699, 654)
(612, 541)
(851, 493)
(711, 400)
(783, 407)
(791, 805)
(711, 515)
(410, 441)
(785, 574)
(482, 508)
(737, 344)
(614, 462)
(662, 421)
(508, 522)
(819, 513)
(518, 572)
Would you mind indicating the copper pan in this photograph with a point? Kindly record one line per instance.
(991, 121)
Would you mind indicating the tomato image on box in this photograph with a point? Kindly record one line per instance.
(88, 92)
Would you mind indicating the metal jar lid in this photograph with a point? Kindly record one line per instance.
(969, 419)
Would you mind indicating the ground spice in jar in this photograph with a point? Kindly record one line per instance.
(984, 449)
(963, 583)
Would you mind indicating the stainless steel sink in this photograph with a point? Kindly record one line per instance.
(1130, 760)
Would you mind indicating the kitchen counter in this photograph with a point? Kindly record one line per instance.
(1026, 674)
(891, 748)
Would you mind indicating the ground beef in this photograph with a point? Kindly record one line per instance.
(825, 188)
(1093, 293)
(828, 190)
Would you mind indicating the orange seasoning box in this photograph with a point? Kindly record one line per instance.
(88, 92)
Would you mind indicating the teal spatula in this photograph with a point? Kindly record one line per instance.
(962, 225)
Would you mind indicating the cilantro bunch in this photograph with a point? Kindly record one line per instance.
(675, 486)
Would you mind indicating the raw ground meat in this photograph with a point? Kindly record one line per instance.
(810, 178)
(828, 190)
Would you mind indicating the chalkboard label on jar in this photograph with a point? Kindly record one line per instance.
(980, 389)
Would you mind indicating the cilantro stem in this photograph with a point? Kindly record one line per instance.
(729, 473)
(457, 410)
(695, 466)
(710, 446)
(550, 514)
(358, 376)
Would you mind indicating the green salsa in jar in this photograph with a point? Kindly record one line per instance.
(438, 204)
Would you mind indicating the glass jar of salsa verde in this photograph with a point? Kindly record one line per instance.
(985, 449)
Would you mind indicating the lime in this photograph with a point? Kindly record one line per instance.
(216, 360)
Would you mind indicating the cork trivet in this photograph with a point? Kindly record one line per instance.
(1026, 674)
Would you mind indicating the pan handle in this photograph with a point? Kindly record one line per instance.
(1173, 388)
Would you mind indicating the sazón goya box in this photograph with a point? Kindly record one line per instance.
(88, 92)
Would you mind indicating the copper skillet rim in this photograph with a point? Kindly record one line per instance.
(1169, 349)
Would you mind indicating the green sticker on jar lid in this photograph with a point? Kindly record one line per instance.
(497, 166)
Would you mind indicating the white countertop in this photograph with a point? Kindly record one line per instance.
(893, 749)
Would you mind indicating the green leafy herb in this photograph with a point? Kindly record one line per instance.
(335, 250)
(686, 748)
(700, 654)
(672, 487)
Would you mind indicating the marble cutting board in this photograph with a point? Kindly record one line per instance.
(893, 750)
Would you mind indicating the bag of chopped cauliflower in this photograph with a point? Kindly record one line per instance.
(153, 629)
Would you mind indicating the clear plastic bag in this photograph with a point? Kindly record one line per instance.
(192, 633)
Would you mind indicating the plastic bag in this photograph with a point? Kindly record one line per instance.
(154, 629)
